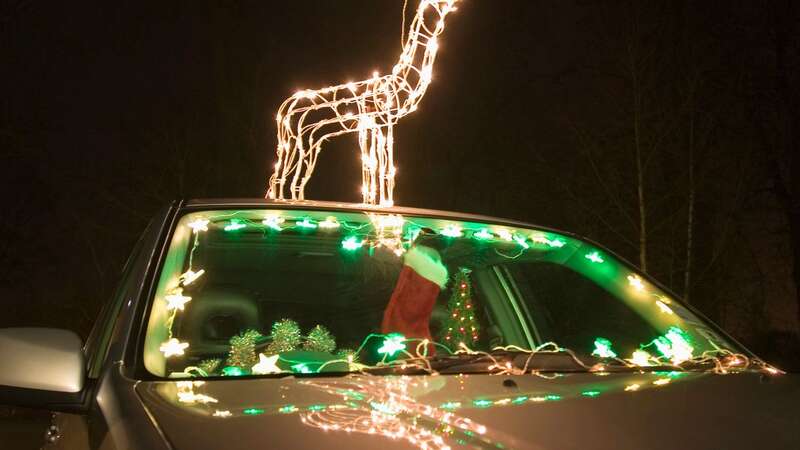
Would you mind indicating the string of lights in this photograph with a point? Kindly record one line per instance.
(674, 348)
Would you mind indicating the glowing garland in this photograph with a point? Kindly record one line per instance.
(370, 107)
(675, 347)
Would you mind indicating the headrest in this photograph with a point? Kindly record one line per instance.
(215, 315)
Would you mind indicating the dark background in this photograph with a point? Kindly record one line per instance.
(666, 130)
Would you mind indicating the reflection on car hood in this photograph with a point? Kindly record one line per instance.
(577, 411)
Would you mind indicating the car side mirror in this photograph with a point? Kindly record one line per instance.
(41, 367)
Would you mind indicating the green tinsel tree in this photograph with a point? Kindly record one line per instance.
(320, 340)
(209, 366)
(243, 349)
(285, 337)
(461, 324)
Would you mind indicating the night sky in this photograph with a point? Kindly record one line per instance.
(112, 109)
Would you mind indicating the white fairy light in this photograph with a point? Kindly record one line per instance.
(266, 365)
(173, 347)
(190, 276)
(636, 282)
(198, 225)
(309, 117)
(176, 300)
(330, 222)
(273, 221)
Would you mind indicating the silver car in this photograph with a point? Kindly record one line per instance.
(242, 324)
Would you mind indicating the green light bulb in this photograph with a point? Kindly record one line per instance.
(392, 344)
(594, 257)
(235, 224)
(483, 234)
(307, 223)
(352, 244)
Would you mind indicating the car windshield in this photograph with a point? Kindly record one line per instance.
(291, 292)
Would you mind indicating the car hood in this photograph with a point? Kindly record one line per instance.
(575, 411)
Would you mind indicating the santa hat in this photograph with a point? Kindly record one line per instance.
(421, 280)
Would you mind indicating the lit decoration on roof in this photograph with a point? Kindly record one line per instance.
(370, 107)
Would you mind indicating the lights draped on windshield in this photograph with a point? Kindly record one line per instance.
(358, 237)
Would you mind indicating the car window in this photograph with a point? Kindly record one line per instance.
(96, 345)
(262, 292)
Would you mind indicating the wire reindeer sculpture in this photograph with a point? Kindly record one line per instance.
(370, 107)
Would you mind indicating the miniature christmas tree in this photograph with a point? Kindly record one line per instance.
(320, 340)
(461, 326)
(243, 349)
(285, 336)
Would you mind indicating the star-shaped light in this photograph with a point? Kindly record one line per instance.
(236, 224)
(483, 234)
(173, 347)
(539, 238)
(452, 231)
(522, 242)
(352, 243)
(273, 222)
(198, 225)
(392, 344)
(266, 365)
(594, 257)
(306, 223)
(636, 282)
(330, 222)
(176, 300)
(301, 368)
